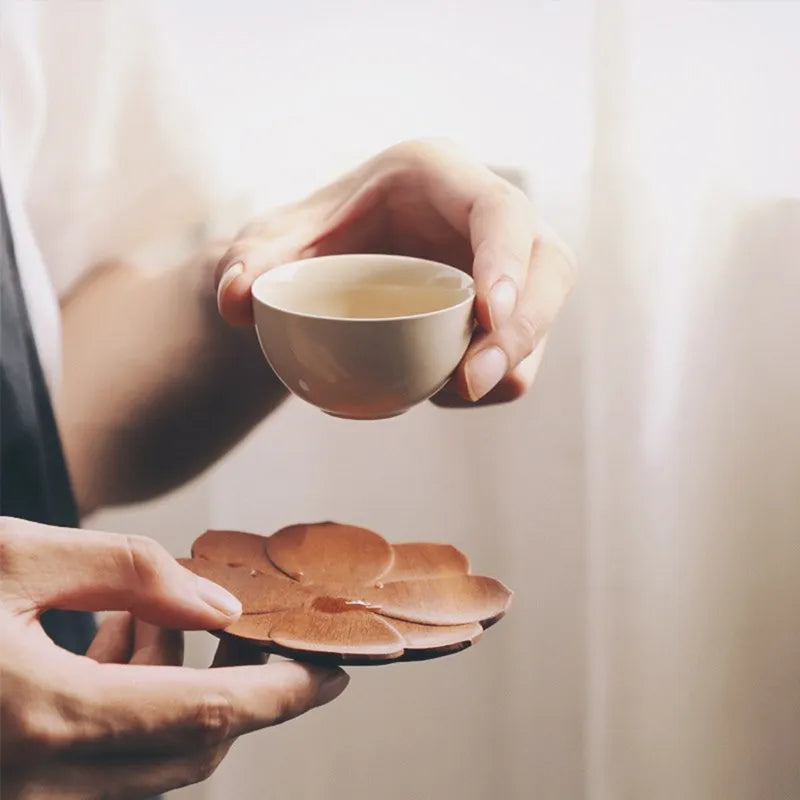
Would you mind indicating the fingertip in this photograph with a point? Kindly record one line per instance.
(229, 274)
(219, 599)
(460, 388)
(332, 686)
(234, 297)
(192, 602)
(484, 370)
(314, 685)
(452, 395)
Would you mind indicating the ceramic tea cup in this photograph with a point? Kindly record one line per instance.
(363, 336)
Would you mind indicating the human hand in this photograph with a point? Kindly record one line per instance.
(128, 776)
(112, 778)
(425, 199)
(128, 697)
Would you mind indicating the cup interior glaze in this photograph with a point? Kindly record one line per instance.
(363, 336)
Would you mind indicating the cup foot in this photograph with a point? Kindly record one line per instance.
(365, 417)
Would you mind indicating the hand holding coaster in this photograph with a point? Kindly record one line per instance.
(338, 594)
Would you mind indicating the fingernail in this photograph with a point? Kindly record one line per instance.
(502, 301)
(332, 687)
(217, 597)
(484, 371)
(230, 274)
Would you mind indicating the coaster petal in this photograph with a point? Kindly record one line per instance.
(256, 592)
(433, 637)
(425, 560)
(356, 632)
(327, 552)
(450, 600)
(235, 548)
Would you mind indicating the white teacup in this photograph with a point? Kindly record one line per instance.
(363, 336)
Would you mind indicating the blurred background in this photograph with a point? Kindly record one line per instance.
(643, 500)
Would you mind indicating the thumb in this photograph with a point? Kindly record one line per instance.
(174, 708)
(243, 262)
(236, 271)
(47, 567)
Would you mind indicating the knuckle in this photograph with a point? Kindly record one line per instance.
(528, 331)
(213, 720)
(146, 558)
(38, 731)
(421, 152)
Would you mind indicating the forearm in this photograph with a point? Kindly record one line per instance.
(156, 386)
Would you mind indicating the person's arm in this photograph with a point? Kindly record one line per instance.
(156, 386)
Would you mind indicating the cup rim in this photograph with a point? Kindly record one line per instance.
(270, 274)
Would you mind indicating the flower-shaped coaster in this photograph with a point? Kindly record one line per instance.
(340, 594)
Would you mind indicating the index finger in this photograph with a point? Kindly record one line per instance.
(495, 216)
(80, 570)
(502, 231)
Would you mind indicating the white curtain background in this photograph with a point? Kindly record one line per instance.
(644, 500)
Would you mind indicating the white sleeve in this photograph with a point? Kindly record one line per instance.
(114, 161)
(21, 118)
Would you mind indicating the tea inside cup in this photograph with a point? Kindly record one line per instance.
(351, 290)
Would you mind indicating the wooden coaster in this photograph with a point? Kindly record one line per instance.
(338, 594)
